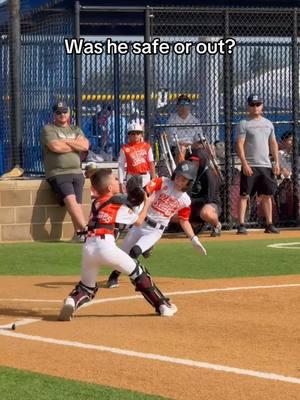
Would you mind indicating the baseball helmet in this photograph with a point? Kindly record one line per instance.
(188, 170)
(135, 127)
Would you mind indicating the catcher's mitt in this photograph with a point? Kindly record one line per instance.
(135, 191)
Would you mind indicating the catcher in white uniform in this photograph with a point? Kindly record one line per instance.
(108, 210)
(170, 199)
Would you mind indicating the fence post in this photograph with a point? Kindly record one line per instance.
(78, 89)
(147, 90)
(15, 81)
(295, 102)
(117, 103)
(228, 126)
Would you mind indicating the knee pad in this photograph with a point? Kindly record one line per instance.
(135, 252)
(143, 283)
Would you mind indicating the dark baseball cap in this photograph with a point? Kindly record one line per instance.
(60, 106)
(254, 98)
(183, 100)
(199, 155)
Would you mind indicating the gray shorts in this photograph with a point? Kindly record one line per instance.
(67, 184)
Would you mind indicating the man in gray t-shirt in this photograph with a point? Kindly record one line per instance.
(256, 140)
(62, 145)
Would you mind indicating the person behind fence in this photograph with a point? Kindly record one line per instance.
(205, 194)
(170, 199)
(284, 194)
(100, 249)
(136, 157)
(62, 144)
(256, 140)
(186, 135)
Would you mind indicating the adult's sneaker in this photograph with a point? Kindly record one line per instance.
(167, 309)
(271, 229)
(113, 280)
(216, 230)
(241, 230)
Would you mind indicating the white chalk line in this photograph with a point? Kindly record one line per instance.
(177, 293)
(156, 357)
(286, 246)
(21, 322)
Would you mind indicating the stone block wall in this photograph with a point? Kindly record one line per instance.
(29, 211)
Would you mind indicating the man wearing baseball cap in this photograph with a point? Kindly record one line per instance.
(180, 134)
(256, 140)
(62, 145)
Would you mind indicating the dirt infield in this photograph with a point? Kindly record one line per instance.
(231, 338)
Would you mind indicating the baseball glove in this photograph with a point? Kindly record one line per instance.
(135, 192)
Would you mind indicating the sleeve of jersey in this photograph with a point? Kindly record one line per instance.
(154, 185)
(150, 155)
(126, 216)
(185, 211)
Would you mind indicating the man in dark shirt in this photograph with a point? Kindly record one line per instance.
(205, 193)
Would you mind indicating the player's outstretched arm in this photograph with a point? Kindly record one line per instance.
(188, 230)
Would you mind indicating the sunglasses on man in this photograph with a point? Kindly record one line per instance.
(255, 104)
(61, 112)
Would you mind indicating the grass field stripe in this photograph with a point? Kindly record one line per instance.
(177, 293)
(22, 322)
(156, 357)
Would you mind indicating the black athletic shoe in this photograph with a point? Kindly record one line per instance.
(271, 229)
(113, 280)
(148, 253)
(241, 230)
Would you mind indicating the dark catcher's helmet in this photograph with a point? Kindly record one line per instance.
(187, 169)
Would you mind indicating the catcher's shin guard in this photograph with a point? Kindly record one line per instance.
(80, 295)
(143, 283)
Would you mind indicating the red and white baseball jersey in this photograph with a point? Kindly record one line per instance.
(167, 201)
(111, 214)
(137, 157)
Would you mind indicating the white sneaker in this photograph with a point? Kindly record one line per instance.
(167, 310)
(66, 313)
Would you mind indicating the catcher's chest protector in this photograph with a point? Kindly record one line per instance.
(104, 216)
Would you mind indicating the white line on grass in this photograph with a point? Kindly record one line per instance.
(156, 357)
(177, 293)
(293, 245)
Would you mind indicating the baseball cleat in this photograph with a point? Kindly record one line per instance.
(113, 281)
(66, 313)
(167, 310)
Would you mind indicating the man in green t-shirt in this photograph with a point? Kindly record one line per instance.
(62, 145)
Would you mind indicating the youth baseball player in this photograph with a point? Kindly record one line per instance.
(100, 248)
(136, 156)
(170, 199)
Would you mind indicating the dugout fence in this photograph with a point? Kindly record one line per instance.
(260, 53)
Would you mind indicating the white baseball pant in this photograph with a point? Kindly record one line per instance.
(98, 252)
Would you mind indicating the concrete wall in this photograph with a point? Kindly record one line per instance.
(29, 211)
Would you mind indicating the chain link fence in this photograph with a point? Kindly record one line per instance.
(260, 55)
(46, 75)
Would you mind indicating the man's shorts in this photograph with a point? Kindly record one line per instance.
(196, 207)
(261, 182)
(67, 184)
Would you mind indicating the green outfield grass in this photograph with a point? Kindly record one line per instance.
(224, 259)
(180, 260)
(15, 384)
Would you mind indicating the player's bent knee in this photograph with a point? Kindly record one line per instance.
(135, 252)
